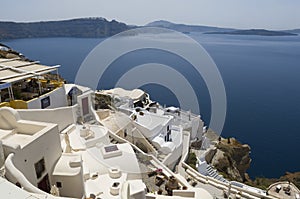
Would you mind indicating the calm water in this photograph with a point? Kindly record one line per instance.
(261, 77)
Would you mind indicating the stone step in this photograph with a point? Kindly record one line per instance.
(211, 172)
(209, 169)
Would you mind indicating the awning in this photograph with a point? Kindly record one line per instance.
(4, 85)
(14, 70)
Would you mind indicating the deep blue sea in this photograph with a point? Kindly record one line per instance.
(262, 81)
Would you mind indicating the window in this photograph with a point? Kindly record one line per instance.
(40, 168)
(58, 184)
(45, 102)
(111, 148)
(44, 184)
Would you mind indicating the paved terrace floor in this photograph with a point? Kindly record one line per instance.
(283, 191)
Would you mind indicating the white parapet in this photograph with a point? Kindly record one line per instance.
(2, 158)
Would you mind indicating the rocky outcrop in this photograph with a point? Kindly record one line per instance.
(8, 53)
(230, 158)
(292, 177)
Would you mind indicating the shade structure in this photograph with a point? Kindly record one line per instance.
(14, 70)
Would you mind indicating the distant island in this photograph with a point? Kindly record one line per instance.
(217, 30)
(98, 27)
(185, 28)
(260, 32)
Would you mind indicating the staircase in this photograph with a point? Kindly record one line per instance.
(161, 156)
(214, 174)
(148, 142)
(112, 140)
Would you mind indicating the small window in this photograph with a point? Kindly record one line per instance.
(111, 148)
(45, 102)
(40, 168)
(58, 184)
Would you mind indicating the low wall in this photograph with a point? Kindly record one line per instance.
(57, 99)
(153, 158)
(172, 158)
(14, 176)
(62, 116)
(223, 186)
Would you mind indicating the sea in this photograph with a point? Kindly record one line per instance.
(261, 75)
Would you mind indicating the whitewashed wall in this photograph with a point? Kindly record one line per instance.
(63, 116)
(47, 146)
(57, 99)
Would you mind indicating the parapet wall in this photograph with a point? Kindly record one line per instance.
(62, 116)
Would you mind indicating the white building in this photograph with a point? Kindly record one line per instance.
(31, 150)
(137, 96)
(187, 120)
(47, 146)
(78, 161)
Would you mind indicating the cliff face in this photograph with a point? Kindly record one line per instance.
(230, 158)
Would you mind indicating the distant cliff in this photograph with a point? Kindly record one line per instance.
(186, 28)
(217, 30)
(85, 27)
(100, 27)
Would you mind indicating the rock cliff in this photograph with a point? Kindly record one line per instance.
(230, 158)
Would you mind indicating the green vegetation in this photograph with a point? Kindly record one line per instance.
(261, 182)
(103, 101)
(264, 183)
(192, 160)
(292, 177)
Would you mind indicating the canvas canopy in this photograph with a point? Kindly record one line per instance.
(14, 70)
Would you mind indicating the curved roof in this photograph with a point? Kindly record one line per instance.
(134, 94)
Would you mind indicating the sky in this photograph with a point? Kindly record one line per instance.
(268, 14)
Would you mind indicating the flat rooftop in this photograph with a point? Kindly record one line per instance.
(134, 94)
(284, 190)
(13, 70)
(99, 156)
(9, 190)
(16, 136)
(150, 120)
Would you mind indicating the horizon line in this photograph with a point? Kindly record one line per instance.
(129, 24)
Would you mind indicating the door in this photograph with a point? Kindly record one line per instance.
(44, 184)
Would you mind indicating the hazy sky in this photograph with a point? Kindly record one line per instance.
(271, 14)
